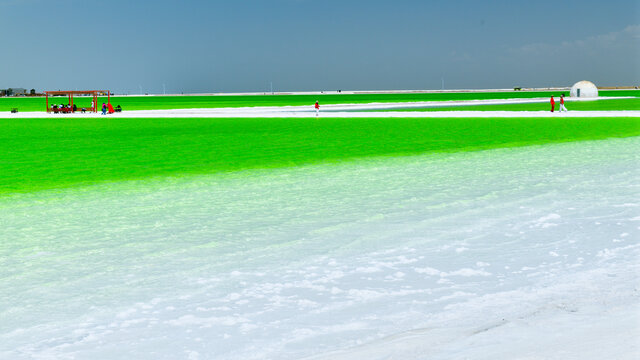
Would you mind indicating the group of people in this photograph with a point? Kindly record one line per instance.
(109, 108)
(65, 108)
(106, 108)
(553, 104)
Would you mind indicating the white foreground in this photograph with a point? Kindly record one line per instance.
(523, 253)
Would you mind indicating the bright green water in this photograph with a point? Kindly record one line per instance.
(190, 102)
(52, 153)
(599, 105)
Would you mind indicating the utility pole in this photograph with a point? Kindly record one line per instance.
(164, 90)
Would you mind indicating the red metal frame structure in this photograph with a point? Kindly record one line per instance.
(70, 93)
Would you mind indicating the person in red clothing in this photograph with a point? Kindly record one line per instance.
(317, 108)
(562, 107)
(553, 103)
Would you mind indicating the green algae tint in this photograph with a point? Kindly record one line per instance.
(597, 105)
(37, 154)
(193, 102)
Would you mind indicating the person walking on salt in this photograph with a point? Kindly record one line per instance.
(562, 107)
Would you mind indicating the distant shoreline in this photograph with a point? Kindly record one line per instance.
(353, 92)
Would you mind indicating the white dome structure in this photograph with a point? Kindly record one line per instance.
(585, 89)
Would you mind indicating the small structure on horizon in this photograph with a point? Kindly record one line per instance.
(585, 89)
(13, 92)
(70, 93)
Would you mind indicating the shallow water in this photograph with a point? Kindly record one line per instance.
(439, 256)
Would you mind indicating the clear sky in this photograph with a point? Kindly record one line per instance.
(130, 46)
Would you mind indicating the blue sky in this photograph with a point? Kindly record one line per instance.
(303, 45)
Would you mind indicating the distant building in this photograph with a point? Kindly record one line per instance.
(584, 89)
(13, 92)
(18, 91)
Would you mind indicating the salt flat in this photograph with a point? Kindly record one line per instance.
(351, 110)
(512, 253)
(283, 112)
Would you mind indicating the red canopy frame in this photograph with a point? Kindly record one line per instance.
(70, 93)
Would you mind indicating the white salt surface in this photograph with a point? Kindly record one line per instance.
(523, 253)
(351, 111)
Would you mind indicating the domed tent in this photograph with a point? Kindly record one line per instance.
(584, 89)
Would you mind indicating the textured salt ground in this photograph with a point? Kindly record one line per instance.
(350, 110)
(510, 253)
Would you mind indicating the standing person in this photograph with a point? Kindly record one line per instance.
(317, 108)
(553, 103)
(562, 107)
(104, 109)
